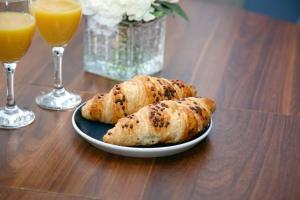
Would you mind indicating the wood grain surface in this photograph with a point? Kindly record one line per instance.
(248, 63)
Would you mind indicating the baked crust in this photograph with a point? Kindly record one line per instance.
(129, 96)
(166, 122)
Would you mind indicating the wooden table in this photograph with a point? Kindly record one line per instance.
(250, 64)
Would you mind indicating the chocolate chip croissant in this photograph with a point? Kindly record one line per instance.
(129, 96)
(165, 122)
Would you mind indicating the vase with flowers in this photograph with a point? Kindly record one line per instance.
(124, 38)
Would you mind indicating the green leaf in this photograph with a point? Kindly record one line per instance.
(175, 7)
(162, 9)
(158, 13)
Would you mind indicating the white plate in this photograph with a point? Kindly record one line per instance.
(93, 132)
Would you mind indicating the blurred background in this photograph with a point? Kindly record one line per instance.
(288, 10)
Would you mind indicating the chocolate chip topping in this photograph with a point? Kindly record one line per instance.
(118, 101)
(164, 105)
(179, 83)
(169, 92)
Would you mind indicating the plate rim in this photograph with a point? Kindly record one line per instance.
(137, 149)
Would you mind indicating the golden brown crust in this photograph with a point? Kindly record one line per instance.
(128, 97)
(168, 121)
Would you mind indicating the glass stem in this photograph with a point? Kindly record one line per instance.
(58, 53)
(10, 70)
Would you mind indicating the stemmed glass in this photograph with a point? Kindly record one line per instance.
(57, 21)
(16, 31)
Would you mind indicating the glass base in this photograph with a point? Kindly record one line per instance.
(58, 99)
(123, 51)
(122, 73)
(14, 117)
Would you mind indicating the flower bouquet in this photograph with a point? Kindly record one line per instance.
(124, 38)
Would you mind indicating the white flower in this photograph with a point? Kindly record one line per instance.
(111, 12)
(108, 12)
(89, 7)
(148, 16)
(138, 10)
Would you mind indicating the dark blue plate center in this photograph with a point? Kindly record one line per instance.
(93, 129)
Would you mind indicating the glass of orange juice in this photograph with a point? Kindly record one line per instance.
(16, 31)
(57, 21)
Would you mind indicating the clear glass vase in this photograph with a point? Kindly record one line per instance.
(124, 51)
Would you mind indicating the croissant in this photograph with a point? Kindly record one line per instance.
(128, 97)
(166, 122)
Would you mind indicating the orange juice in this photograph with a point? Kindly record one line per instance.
(16, 32)
(57, 20)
